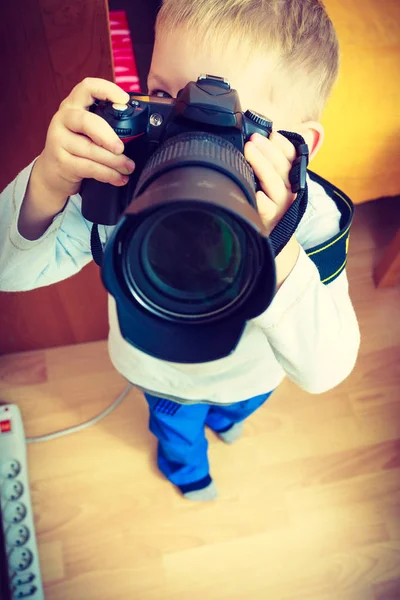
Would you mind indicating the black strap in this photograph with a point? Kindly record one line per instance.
(330, 257)
(286, 227)
(96, 246)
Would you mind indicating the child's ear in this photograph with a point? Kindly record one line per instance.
(313, 133)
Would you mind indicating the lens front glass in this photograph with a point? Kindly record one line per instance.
(193, 253)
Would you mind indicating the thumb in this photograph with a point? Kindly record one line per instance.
(93, 88)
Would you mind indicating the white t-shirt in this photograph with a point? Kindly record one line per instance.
(308, 333)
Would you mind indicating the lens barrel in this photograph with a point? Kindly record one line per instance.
(190, 257)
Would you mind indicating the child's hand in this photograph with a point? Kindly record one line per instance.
(81, 145)
(271, 159)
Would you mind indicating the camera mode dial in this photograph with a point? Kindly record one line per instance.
(258, 119)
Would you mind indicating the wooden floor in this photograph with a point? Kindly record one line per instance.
(309, 499)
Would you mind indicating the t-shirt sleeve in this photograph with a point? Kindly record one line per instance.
(62, 250)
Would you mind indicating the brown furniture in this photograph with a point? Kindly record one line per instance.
(387, 272)
(48, 48)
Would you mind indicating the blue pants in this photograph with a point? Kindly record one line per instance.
(180, 430)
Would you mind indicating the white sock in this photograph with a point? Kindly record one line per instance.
(233, 434)
(203, 495)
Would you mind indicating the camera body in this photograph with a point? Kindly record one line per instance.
(208, 105)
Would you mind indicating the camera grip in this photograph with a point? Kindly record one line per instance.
(102, 203)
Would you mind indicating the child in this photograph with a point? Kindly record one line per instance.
(282, 58)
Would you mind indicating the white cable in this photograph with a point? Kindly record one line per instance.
(75, 428)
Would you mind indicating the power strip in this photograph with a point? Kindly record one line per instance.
(18, 552)
(19, 559)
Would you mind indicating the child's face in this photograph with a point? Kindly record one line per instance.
(176, 61)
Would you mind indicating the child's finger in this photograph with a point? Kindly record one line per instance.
(273, 154)
(92, 88)
(283, 143)
(82, 146)
(83, 168)
(270, 181)
(96, 128)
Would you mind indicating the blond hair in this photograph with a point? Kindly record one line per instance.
(298, 33)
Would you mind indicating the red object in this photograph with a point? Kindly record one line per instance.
(126, 75)
(5, 426)
(125, 140)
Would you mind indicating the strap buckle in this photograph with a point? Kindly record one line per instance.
(298, 172)
(286, 227)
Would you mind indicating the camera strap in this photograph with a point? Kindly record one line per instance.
(96, 246)
(330, 257)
